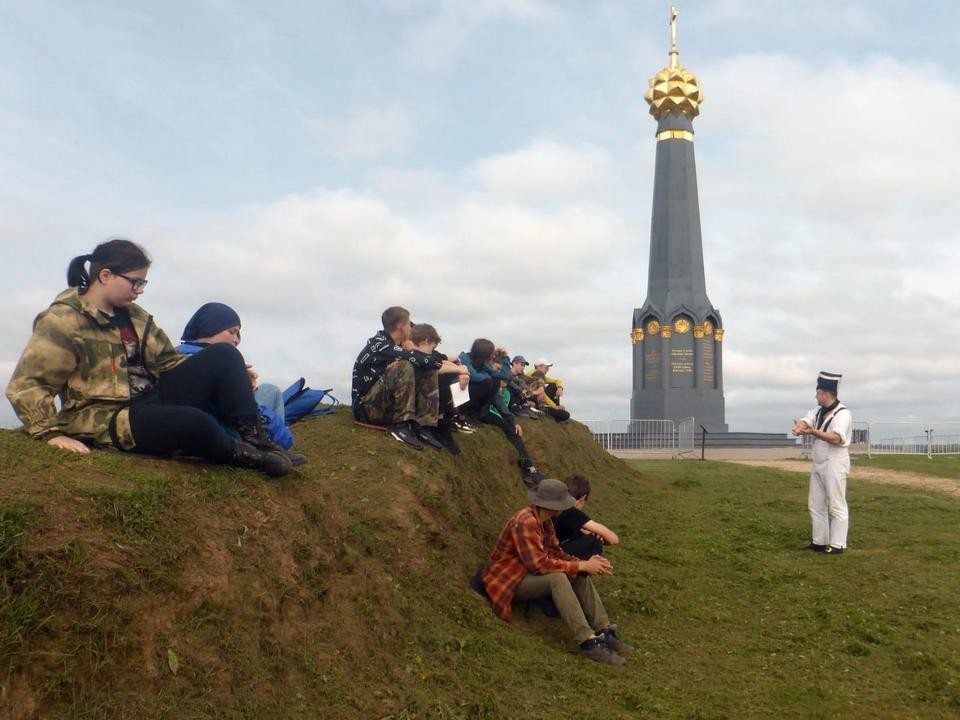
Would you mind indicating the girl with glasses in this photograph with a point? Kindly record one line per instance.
(119, 381)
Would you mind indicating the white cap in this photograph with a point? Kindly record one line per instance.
(543, 361)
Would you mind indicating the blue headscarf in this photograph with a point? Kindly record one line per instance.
(210, 319)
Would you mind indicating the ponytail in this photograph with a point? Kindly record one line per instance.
(77, 275)
(117, 255)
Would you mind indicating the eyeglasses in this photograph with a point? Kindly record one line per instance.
(135, 283)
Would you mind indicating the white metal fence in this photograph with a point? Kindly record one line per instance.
(685, 439)
(634, 434)
(901, 437)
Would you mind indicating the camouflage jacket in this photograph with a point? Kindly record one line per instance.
(75, 353)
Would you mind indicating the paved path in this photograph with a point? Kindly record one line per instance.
(789, 459)
(894, 477)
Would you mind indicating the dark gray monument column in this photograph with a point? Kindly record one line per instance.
(677, 324)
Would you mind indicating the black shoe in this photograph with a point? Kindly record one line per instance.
(405, 434)
(596, 649)
(247, 456)
(816, 548)
(295, 458)
(831, 550)
(460, 424)
(253, 432)
(613, 640)
(427, 437)
(531, 478)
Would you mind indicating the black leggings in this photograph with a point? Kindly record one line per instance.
(183, 412)
(445, 384)
(509, 429)
(481, 393)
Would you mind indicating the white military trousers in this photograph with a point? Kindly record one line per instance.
(827, 500)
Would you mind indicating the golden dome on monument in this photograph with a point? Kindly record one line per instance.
(674, 89)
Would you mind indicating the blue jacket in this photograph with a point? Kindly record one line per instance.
(486, 372)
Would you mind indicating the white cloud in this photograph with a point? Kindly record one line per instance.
(546, 170)
(445, 26)
(369, 133)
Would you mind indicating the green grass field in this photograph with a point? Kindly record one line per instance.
(142, 588)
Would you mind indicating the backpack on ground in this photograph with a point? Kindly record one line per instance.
(299, 402)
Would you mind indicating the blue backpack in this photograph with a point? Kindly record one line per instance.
(299, 402)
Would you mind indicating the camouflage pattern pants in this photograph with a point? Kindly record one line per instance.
(403, 394)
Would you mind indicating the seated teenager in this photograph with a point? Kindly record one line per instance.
(485, 365)
(578, 534)
(527, 563)
(396, 385)
(548, 399)
(425, 338)
(119, 380)
(489, 368)
(523, 390)
(216, 322)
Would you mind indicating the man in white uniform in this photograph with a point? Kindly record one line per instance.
(830, 425)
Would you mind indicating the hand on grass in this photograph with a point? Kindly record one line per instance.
(70, 444)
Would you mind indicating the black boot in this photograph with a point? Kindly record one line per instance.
(271, 463)
(445, 435)
(256, 434)
(252, 431)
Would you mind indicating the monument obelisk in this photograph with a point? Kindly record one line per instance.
(677, 333)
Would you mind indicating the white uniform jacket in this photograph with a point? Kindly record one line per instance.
(838, 420)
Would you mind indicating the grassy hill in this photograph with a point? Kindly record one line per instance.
(133, 587)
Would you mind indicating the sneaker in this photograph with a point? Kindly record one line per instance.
(831, 550)
(613, 640)
(596, 649)
(462, 425)
(405, 434)
(531, 478)
(427, 437)
(816, 548)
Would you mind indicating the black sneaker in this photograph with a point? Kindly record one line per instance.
(427, 437)
(531, 478)
(816, 548)
(463, 425)
(596, 649)
(831, 550)
(613, 640)
(405, 434)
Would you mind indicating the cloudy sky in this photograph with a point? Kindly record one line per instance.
(489, 164)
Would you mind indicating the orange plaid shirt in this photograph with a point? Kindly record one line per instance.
(523, 546)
